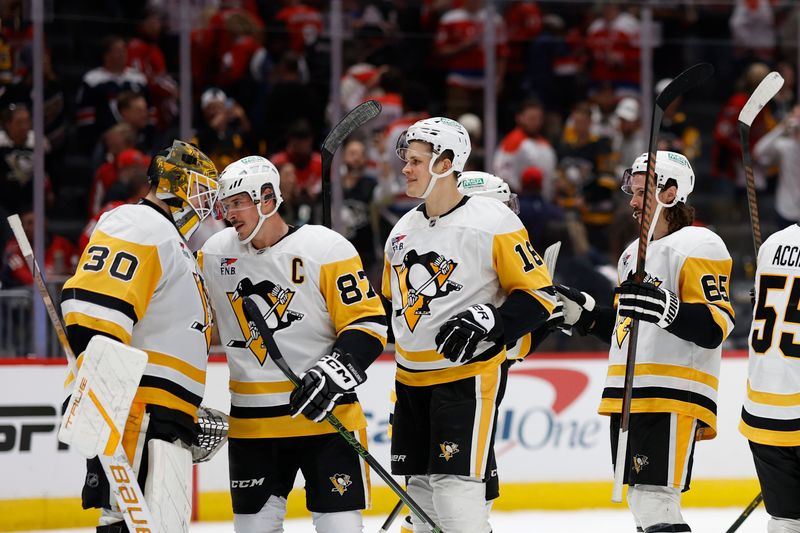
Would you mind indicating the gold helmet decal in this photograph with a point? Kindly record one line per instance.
(186, 180)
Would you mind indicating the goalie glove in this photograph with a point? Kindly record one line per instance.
(460, 335)
(322, 386)
(578, 308)
(647, 302)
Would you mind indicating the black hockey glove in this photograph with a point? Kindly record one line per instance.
(323, 385)
(460, 335)
(579, 309)
(646, 301)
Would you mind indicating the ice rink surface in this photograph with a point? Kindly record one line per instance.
(600, 521)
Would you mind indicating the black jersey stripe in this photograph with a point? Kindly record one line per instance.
(278, 410)
(172, 388)
(664, 393)
(772, 424)
(103, 300)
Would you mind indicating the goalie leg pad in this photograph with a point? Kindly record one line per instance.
(460, 503)
(168, 489)
(268, 520)
(420, 490)
(342, 522)
(654, 505)
(783, 525)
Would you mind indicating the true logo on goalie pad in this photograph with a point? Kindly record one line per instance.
(449, 449)
(340, 483)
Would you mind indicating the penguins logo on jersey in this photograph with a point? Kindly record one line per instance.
(423, 278)
(624, 325)
(340, 483)
(278, 316)
(639, 462)
(449, 449)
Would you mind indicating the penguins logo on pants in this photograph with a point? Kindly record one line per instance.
(423, 278)
(277, 315)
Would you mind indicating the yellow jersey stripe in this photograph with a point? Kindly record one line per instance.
(768, 436)
(488, 386)
(772, 398)
(350, 415)
(156, 396)
(448, 375)
(683, 439)
(271, 387)
(674, 371)
(663, 405)
(161, 359)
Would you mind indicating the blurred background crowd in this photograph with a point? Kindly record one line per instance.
(570, 115)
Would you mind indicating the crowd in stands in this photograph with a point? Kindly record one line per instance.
(569, 109)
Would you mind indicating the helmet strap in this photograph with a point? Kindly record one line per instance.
(261, 218)
(435, 176)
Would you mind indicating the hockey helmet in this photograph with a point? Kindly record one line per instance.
(252, 175)
(476, 183)
(185, 180)
(442, 134)
(672, 168)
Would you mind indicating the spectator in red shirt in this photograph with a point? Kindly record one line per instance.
(60, 256)
(459, 43)
(145, 55)
(117, 139)
(130, 187)
(308, 162)
(613, 41)
(303, 24)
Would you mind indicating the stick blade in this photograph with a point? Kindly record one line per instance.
(765, 91)
(356, 118)
(686, 80)
(551, 257)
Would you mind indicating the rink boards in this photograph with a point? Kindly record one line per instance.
(552, 447)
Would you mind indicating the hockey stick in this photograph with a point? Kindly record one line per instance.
(747, 511)
(422, 287)
(253, 314)
(356, 118)
(686, 80)
(765, 91)
(121, 477)
(392, 517)
(236, 343)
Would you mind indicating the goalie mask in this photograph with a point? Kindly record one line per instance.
(441, 134)
(671, 169)
(185, 180)
(475, 183)
(256, 176)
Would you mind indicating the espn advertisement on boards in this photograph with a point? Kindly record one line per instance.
(547, 430)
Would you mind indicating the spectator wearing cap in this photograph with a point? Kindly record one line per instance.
(628, 141)
(525, 146)
(225, 133)
(307, 161)
(111, 173)
(677, 134)
(542, 218)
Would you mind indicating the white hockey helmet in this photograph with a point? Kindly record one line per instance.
(442, 134)
(672, 168)
(251, 175)
(476, 183)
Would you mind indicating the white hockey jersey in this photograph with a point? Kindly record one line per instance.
(672, 374)
(138, 282)
(436, 267)
(314, 288)
(771, 411)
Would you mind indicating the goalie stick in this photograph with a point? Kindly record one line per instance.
(356, 118)
(121, 477)
(686, 80)
(253, 314)
(765, 92)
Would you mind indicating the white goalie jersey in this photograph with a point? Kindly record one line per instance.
(436, 267)
(673, 374)
(771, 411)
(313, 289)
(138, 282)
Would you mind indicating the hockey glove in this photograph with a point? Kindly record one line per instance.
(579, 309)
(322, 386)
(460, 335)
(646, 301)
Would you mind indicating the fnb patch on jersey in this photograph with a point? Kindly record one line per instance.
(226, 267)
(397, 244)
